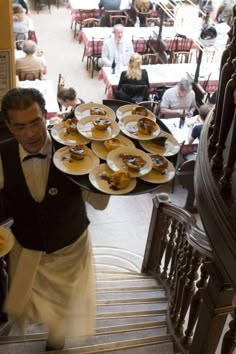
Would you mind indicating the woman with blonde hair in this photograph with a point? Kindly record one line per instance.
(143, 5)
(134, 76)
(20, 23)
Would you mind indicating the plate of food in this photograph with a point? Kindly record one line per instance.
(75, 160)
(130, 159)
(138, 127)
(7, 240)
(110, 182)
(90, 109)
(164, 144)
(162, 170)
(134, 109)
(66, 133)
(102, 148)
(98, 128)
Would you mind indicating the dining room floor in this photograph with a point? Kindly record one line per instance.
(125, 222)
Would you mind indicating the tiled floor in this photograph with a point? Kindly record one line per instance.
(125, 222)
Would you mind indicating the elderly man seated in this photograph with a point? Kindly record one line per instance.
(179, 100)
(116, 49)
(30, 63)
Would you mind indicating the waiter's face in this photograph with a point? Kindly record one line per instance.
(28, 126)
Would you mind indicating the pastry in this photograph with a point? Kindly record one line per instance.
(78, 152)
(101, 123)
(117, 180)
(160, 140)
(133, 162)
(146, 126)
(71, 125)
(159, 163)
(98, 111)
(112, 144)
(140, 110)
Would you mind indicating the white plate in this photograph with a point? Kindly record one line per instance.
(171, 146)
(7, 240)
(103, 186)
(59, 134)
(126, 110)
(128, 126)
(86, 128)
(101, 151)
(83, 110)
(116, 163)
(156, 177)
(62, 161)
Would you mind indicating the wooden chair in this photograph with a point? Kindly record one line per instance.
(19, 39)
(92, 60)
(122, 19)
(88, 22)
(83, 15)
(185, 175)
(136, 93)
(106, 22)
(180, 44)
(153, 106)
(38, 5)
(181, 57)
(152, 21)
(60, 85)
(150, 58)
(140, 44)
(31, 76)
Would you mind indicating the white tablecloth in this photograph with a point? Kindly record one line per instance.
(47, 90)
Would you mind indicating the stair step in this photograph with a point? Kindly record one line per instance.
(150, 282)
(132, 296)
(136, 313)
(160, 348)
(118, 321)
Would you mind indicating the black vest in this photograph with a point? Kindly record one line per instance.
(47, 226)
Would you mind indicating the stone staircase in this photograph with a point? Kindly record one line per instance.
(131, 313)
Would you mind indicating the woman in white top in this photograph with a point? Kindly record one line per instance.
(20, 23)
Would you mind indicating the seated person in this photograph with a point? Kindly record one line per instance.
(116, 49)
(20, 23)
(196, 123)
(30, 63)
(135, 76)
(225, 12)
(143, 5)
(179, 100)
(23, 3)
(109, 4)
(67, 97)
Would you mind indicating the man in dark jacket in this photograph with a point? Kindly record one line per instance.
(51, 268)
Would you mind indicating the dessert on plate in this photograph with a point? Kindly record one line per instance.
(101, 123)
(134, 162)
(160, 140)
(159, 163)
(77, 152)
(71, 125)
(112, 144)
(140, 110)
(117, 180)
(146, 126)
(98, 111)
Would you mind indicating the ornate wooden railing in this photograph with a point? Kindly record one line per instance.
(179, 255)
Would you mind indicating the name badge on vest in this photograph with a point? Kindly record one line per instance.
(53, 191)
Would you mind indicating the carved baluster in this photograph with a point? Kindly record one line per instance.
(170, 280)
(195, 307)
(225, 75)
(188, 291)
(227, 117)
(174, 288)
(229, 340)
(3, 287)
(182, 282)
(179, 258)
(226, 179)
(169, 248)
(164, 233)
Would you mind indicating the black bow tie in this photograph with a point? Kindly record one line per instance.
(31, 156)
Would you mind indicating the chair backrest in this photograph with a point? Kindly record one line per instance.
(122, 19)
(152, 21)
(97, 44)
(84, 14)
(137, 93)
(19, 39)
(150, 58)
(91, 22)
(60, 85)
(181, 57)
(181, 43)
(30, 75)
(140, 44)
(108, 13)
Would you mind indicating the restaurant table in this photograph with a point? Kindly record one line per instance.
(141, 186)
(47, 90)
(165, 74)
